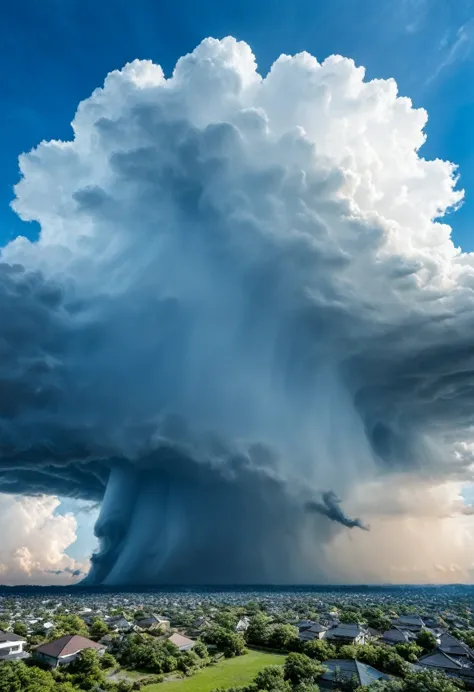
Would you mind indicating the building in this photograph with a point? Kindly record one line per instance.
(65, 650)
(396, 636)
(409, 623)
(455, 648)
(342, 671)
(316, 631)
(350, 633)
(437, 660)
(243, 624)
(154, 622)
(119, 623)
(183, 643)
(11, 646)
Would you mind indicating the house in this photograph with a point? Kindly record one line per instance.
(396, 636)
(183, 643)
(243, 624)
(438, 660)
(350, 633)
(154, 622)
(65, 650)
(119, 623)
(304, 624)
(201, 623)
(455, 648)
(340, 671)
(11, 646)
(316, 631)
(409, 623)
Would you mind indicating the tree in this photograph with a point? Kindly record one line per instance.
(284, 637)
(68, 624)
(409, 651)
(86, 670)
(271, 678)
(258, 630)
(20, 629)
(349, 616)
(230, 643)
(3, 625)
(426, 640)
(98, 629)
(320, 649)
(300, 668)
(107, 661)
(226, 619)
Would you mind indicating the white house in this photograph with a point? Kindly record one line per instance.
(11, 646)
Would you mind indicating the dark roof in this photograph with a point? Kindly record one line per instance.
(454, 647)
(348, 630)
(347, 668)
(438, 659)
(65, 646)
(10, 637)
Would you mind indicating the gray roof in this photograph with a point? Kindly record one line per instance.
(351, 630)
(347, 668)
(10, 637)
(451, 645)
(438, 659)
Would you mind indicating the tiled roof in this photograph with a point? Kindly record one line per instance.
(65, 646)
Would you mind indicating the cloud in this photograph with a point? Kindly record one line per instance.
(456, 49)
(34, 542)
(243, 295)
(420, 534)
(330, 507)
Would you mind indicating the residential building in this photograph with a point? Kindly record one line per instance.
(409, 623)
(119, 623)
(396, 636)
(154, 622)
(350, 633)
(65, 650)
(340, 671)
(11, 646)
(183, 643)
(316, 631)
(243, 624)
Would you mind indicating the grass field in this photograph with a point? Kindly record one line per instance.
(226, 673)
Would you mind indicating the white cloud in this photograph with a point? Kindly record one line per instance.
(34, 541)
(418, 535)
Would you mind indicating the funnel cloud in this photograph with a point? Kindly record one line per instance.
(243, 303)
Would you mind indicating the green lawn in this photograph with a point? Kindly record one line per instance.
(226, 673)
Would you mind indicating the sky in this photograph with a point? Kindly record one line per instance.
(55, 53)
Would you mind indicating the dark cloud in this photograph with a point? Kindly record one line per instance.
(330, 507)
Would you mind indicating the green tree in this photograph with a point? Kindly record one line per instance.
(107, 661)
(258, 630)
(68, 624)
(271, 678)
(426, 640)
(3, 625)
(409, 651)
(20, 629)
(226, 619)
(98, 629)
(320, 649)
(284, 637)
(300, 668)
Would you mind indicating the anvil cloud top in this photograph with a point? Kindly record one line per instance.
(243, 302)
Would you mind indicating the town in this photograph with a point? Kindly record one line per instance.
(282, 640)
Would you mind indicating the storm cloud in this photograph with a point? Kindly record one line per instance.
(243, 298)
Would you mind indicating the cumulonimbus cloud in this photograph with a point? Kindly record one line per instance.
(243, 295)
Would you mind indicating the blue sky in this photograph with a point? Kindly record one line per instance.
(55, 52)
